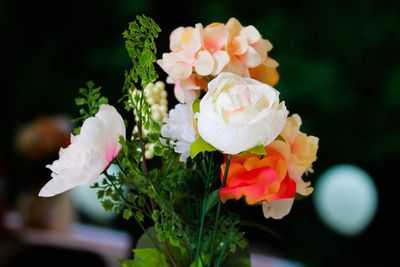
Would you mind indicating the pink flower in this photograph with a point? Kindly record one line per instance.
(248, 50)
(89, 153)
(195, 53)
(184, 44)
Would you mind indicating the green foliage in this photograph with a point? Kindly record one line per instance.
(89, 103)
(145, 257)
(199, 145)
(180, 198)
(260, 150)
(140, 44)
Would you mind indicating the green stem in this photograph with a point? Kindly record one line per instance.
(170, 254)
(203, 215)
(216, 224)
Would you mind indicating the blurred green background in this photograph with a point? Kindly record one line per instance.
(339, 67)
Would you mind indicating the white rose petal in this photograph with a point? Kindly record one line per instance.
(179, 128)
(237, 114)
(89, 153)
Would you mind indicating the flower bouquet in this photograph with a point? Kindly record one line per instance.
(229, 139)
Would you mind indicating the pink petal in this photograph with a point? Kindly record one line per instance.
(175, 39)
(191, 40)
(236, 66)
(221, 59)
(183, 95)
(204, 64)
(180, 71)
(251, 34)
(239, 45)
(262, 47)
(189, 83)
(251, 58)
(215, 37)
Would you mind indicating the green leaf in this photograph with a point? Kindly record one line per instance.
(127, 214)
(107, 204)
(196, 106)
(80, 101)
(260, 150)
(147, 257)
(280, 138)
(212, 200)
(200, 146)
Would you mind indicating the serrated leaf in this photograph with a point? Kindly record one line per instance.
(127, 214)
(260, 150)
(199, 145)
(107, 205)
(100, 194)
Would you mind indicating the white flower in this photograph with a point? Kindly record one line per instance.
(237, 114)
(89, 153)
(179, 128)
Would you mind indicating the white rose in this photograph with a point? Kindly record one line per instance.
(237, 114)
(89, 153)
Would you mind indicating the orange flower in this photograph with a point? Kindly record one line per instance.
(298, 150)
(258, 179)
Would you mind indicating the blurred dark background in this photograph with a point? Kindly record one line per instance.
(339, 68)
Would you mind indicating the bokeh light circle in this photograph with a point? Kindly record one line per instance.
(346, 199)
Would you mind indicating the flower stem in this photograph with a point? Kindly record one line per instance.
(203, 215)
(142, 147)
(170, 255)
(216, 224)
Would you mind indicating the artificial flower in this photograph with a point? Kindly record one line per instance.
(184, 44)
(259, 180)
(249, 54)
(237, 114)
(89, 153)
(179, 128)
(186, 91)
(256, 180)
(298, 150)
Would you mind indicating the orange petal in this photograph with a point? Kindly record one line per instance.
(265, 74)
(287, 190)
(233, 26)
(256, 186)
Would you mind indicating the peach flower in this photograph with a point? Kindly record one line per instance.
(298, 150)
(249, 53)
(199, 50)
